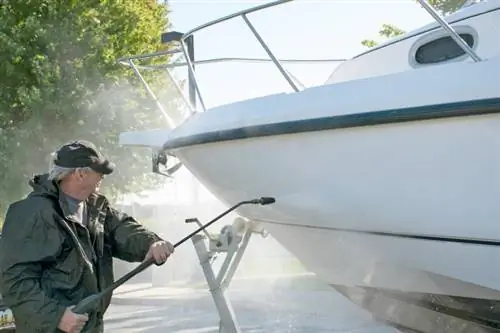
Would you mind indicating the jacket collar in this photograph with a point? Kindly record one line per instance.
(42, 186)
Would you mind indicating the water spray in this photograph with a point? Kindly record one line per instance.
(92, 302)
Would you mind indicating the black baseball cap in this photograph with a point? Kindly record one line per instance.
(80, 154)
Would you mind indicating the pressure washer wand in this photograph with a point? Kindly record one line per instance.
(91, 302)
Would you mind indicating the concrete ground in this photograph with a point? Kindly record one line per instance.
(298, 304)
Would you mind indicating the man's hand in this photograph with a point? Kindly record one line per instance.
(160, 251)
(72, 322)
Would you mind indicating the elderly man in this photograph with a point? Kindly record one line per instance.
(58, 243)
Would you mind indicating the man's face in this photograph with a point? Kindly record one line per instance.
(89, 182)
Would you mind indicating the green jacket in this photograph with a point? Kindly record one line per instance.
(49, 262)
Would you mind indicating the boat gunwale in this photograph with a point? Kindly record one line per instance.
(370, 118)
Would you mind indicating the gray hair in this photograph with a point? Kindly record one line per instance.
(58, 173)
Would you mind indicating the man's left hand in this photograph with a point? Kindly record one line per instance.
(160, 251)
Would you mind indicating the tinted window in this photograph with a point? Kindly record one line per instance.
(441, 49)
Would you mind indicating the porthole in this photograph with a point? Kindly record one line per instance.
(441, 47)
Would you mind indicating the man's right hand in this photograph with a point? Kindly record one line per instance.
(72, 322)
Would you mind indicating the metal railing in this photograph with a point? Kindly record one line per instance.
(184, 38)
(459, 40)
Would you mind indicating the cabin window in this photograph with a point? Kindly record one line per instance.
(442, 49)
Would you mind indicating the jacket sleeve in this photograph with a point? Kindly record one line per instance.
(130, 240)
(28, 242)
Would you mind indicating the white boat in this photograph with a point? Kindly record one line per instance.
(386, 177)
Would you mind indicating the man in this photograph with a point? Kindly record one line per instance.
(58, 243)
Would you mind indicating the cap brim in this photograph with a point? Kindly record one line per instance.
(105, 167)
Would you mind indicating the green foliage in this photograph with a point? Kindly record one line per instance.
(444, 7)
(61, 81)
(386, 31)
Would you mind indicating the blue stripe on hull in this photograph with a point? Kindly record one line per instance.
(458, 109)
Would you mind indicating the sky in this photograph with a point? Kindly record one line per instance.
(301, 29)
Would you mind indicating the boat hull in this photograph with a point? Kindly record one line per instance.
(432, 178)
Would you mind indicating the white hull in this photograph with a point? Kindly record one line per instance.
(354, 260)
(438, 178)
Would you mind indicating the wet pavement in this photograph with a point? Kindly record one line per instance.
(290, 304)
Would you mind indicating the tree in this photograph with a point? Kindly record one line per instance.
(61, 81)
(386, 31)
(444, 7)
